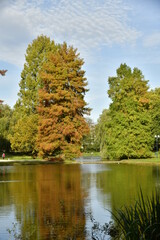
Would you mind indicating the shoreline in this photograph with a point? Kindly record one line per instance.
(7, 162)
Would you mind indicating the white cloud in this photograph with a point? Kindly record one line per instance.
(152, 40)
(85, 24)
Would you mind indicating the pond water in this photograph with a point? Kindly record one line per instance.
(57, 201)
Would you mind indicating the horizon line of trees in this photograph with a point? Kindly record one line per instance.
(49, 117)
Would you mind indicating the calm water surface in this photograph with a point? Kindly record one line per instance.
(57, 201)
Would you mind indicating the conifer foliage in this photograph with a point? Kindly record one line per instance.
(61, 104)
(25, 121)
(127, 124)
(30, 82)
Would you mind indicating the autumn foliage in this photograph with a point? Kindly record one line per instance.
(61, 105)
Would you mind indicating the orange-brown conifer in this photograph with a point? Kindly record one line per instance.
(62, 105)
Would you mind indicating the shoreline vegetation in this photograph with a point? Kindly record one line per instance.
(86, 158)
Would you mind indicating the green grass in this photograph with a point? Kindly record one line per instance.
(14, 156)
(141, 161)
(91, 154)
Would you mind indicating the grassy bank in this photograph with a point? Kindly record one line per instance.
(141, 161)
(28, 159)
(91, 154)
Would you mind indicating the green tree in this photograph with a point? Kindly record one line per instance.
(155, 111)
(129, 133)
(24, 134)
(36, 55)
(90, 141)
(102, 131)
(62, 105)
(25, 108)
(5, 116)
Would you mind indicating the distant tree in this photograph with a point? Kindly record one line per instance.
(102, 131)
(5, 116)
(90, 141)
(61, 105)
(129, 131)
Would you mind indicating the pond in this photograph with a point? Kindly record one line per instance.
(58, 201)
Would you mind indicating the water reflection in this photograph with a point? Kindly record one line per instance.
(56, 201)
(48, 201)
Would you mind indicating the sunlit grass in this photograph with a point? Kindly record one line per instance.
(91, 154)
(142, 161)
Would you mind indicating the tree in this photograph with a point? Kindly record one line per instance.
(90, 141)
(155, 111)
(36, 55)
(24, 136)
(129, 127)
(5, 116)
(25, 108)
(102, 131)
(62, 105)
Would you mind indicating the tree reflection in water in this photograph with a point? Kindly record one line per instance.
(48, 202)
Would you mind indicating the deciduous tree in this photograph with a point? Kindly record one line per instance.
(5, 117)
(62, 105)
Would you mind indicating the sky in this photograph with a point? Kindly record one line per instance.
(105, 32)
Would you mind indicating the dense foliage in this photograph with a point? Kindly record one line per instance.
(127, 125)
(24, 123)
(62, 105)
(5, 116)
(90, 142)
(48, 117)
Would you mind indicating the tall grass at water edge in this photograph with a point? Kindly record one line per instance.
(140, 221)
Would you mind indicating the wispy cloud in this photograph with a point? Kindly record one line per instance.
(85, 24)
(152, 40)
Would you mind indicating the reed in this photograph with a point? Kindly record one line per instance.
(140, 221)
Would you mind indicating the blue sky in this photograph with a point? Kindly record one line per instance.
(105, 32)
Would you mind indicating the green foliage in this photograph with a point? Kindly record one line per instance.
(128, 123)
(141, 221)
(62, 105)
(90, 142)
(36, 55)
(102, 131)
(155, 111)
(24, 134)
(5, 116)
(138, 221)
(24, 123)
